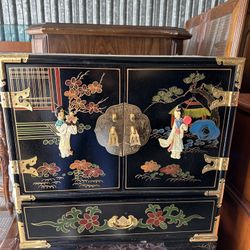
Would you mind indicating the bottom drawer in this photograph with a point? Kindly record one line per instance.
(150, 219)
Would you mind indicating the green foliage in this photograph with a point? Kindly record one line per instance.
(175, 215)
(144, 225)
(65, 223)
(194, 78)
(182, 176)
(93, 210)
(163, 225)
(68, 220)
(167, 95)
(152, 208)
(100, 228)
(81, 127)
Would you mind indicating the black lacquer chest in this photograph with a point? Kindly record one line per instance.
(113, 148)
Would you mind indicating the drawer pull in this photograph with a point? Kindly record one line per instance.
(122, 222)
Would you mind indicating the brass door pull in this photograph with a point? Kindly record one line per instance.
(123, 129)
(122, 222)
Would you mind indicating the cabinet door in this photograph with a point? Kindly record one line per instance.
(53, 123)
(189, 143)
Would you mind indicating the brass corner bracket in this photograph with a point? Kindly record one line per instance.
(18, 198)
(224, 98)
(234, 61)
(11, 58)
(30, 244)
(213, 236)
(219, 192)
(16, 99)
(215, 163)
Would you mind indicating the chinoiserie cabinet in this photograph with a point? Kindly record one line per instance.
(115, 148)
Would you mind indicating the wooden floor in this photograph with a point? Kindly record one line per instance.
(8, 229)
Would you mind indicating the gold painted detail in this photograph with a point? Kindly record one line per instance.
(18, 198)
(224, 98)
(219, 192)
(30, 244)
(218, 163)
(16, 99)
(238, 62)
(12, 58)
(213, 236)
(122, 222)
(31, 162)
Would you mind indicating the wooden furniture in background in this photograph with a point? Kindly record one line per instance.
(244, 51)
(222, 31)
(107, 39)
(4, 160)
(235, 218)
(15, 46)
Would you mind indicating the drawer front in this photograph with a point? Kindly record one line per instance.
(188, 132)
(57, 147)
(120, 219)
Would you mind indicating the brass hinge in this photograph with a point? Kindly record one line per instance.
(219, 192)
(11, 58)
(234, 61)
(14, 167)
(29, 162)
(224, 98)
(29, 244)
(218, 163)
(22, 165)
(18, 198)
(16, 99)
(213, 236)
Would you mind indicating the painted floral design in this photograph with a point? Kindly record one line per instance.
(86, 174)
(95, 87)
(80, 165)
(48, 169)
(78, 89)
(89, 220)
(172, 172)
(150, 166)
(155, 218)
(49, 175)
(172, 169)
